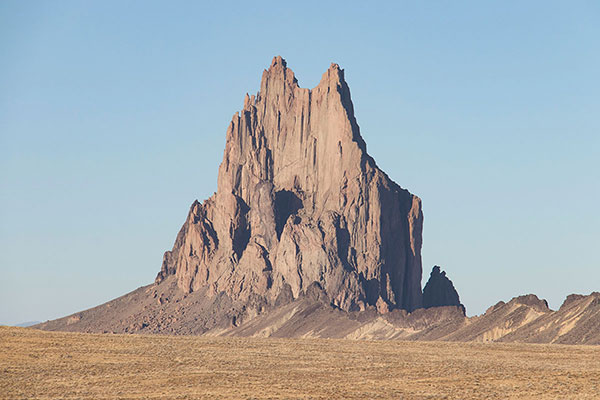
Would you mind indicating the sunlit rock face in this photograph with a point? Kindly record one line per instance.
(300, 201)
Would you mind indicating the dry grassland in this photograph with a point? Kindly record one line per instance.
(49, 365)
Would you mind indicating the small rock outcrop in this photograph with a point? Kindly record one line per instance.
(439, 291)
(300, 201)
(533, 301)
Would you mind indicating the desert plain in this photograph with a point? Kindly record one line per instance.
(59, 365)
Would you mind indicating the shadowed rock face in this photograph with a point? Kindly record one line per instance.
(439, 291)
(299, 201)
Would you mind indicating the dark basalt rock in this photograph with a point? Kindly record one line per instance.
(439, 291)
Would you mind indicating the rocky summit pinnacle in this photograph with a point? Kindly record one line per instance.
(299, 201)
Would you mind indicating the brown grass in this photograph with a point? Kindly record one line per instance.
(49, 365)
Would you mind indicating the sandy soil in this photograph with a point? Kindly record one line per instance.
(54, 365)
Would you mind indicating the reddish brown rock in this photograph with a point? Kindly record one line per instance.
(299, 201)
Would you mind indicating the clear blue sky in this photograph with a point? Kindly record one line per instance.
(113, 119)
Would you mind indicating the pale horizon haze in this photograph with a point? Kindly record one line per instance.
(113, 119)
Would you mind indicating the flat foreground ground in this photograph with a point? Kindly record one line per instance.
(49, 365)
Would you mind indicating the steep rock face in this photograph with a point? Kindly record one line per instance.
(299, 201)
(439, 291)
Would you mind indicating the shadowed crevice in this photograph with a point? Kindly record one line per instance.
(286, 203)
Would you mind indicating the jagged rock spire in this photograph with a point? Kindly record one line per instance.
(439, 291)
(299, 201)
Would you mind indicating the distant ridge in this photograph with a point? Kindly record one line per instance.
(27, 324)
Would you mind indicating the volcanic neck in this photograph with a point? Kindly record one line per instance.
(299, 201)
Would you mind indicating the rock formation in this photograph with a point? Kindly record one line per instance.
(299, 201)
(439, 291)
(306, 237)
